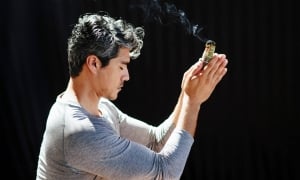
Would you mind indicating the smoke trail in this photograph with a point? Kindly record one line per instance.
(166, 13)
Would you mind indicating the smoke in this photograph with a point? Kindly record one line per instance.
(166, 13)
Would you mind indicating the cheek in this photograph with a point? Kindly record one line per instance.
(116, 77)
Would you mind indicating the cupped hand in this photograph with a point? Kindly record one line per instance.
(200, 80)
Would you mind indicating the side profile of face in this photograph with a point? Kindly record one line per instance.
(111, 78)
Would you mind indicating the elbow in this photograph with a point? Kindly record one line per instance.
(168, 170)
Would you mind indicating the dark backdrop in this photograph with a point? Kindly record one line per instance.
(248, 129)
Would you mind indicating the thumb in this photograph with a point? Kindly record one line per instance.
(193, 71)
(198, 67)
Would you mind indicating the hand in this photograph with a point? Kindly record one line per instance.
(199, 82)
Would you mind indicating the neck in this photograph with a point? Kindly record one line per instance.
(80, 91)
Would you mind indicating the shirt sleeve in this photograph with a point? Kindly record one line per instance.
(93, 146)
(154, 137)
(151, 136)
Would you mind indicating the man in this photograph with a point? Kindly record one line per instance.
(88, 137)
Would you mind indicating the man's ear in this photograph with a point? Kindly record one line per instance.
(93, 63)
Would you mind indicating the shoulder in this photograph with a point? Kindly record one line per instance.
(107, 104)
(110, 110)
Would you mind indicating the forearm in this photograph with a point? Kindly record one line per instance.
(111, 151)
(175, 114)
(185, 114)
(188, 115)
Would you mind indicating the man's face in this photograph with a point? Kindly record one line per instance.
(112, 77)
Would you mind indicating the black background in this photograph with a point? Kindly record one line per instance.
(247, 130)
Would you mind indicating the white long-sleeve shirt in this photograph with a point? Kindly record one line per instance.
(78, 145)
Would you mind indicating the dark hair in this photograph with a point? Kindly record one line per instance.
(101, 35)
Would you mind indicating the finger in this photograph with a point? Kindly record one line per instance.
(207, 68)
(216, 65)
(221, 75)
(195, 69)
(221, 71)
(198, 69)
(192, 71)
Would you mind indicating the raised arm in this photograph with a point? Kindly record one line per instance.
(197, 85)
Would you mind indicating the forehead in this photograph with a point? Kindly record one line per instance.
(123, 55)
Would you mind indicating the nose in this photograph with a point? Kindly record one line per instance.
(126, 76)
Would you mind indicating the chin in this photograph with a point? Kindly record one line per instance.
(114, 97)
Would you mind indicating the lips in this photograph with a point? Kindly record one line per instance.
(120, 87)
